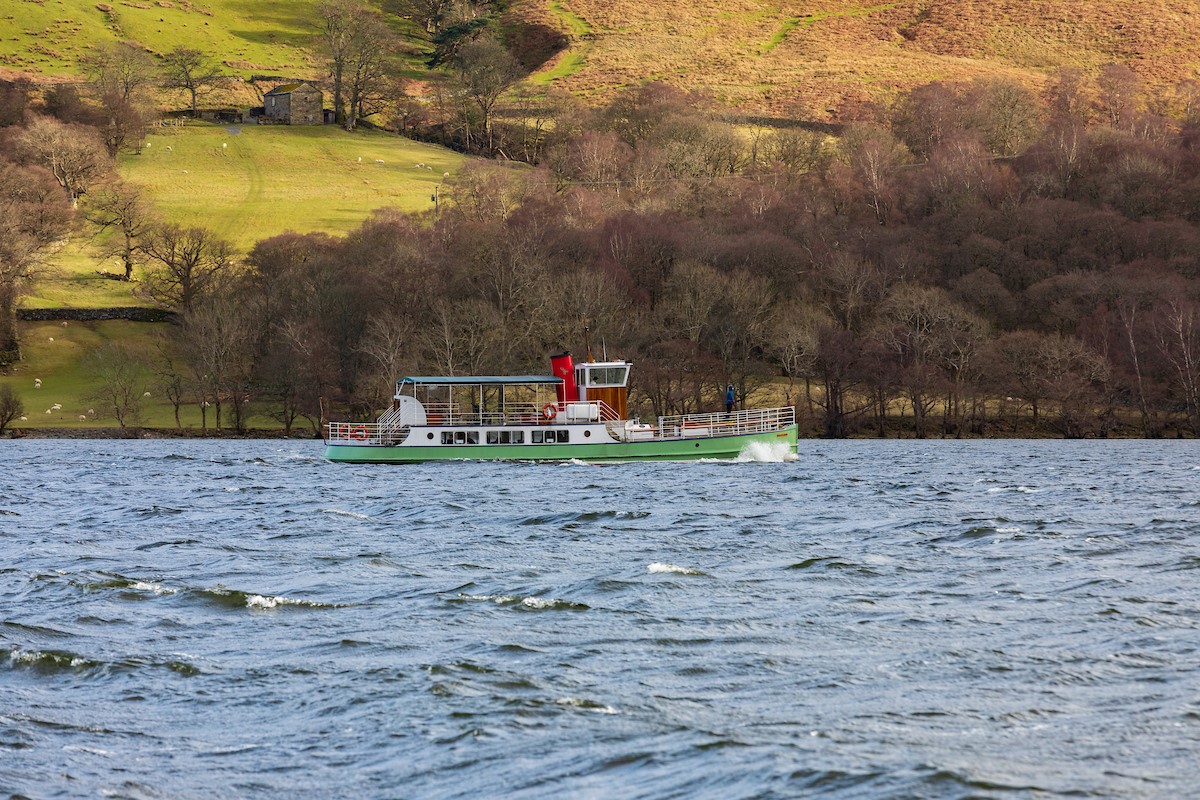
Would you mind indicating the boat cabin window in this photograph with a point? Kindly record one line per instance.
(460, 437)
(506, 437)
(550, 437)
(602, 376)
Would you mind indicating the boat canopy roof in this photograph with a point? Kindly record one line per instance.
(477, 380)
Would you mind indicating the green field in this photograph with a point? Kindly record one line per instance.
(249, 182)
(263, 37)
(53, 353)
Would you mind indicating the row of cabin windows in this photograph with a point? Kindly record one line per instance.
(507, 437)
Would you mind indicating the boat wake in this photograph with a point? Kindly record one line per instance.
(767, 453)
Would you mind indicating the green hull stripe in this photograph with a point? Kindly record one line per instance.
(672, 450)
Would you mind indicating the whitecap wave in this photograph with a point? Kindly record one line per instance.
(340, 513)
(587, 705)
(660, 568)
(149, 586)
(767, 453)
(265, 602)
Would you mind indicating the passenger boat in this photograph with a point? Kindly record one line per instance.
(580, 412)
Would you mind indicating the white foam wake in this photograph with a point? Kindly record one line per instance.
(658, 567)
(767, 453)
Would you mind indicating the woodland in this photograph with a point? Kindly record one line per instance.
(975, 258)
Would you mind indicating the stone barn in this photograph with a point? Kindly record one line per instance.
(294, 104)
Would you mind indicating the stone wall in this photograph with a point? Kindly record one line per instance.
(131, 313)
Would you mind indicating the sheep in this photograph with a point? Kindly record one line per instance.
(169, 148)
(51, 338)
(145, 394)
(57, 407)
(379, 161)
(91, 412)
(83, 418)
(24, 419)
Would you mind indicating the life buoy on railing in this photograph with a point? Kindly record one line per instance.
(359, 433)
(549, 411)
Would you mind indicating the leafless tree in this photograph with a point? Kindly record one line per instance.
(365, 72)
(120, 209)
(192, 71)
(486, 70)
(74, 154)
(186, 262)
(120, 69)
(35, 215)
(11, 406)
(120, 381)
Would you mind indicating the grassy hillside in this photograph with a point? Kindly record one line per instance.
(249, 182)
(48, 37)
(54, 353)
(822, 58)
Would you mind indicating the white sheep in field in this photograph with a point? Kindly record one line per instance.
(51, 338)
(24, 419)
(379, 161)
(56, 407)
(83, 418)
(145, 394)
(91, 412)
(37, 383)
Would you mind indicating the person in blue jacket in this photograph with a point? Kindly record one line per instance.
(729, 398)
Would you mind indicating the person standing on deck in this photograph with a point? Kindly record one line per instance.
(729, 398)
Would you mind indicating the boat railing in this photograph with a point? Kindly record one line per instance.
(758, 420)
(364, 433)
(520, 413)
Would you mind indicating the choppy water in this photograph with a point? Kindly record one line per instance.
(877, 620)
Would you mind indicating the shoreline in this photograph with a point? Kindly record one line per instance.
(153, 433)
(300, 435)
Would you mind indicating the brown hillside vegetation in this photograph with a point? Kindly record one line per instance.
(825, 59)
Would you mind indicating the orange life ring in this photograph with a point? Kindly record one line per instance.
(360, 433)
(549, 411)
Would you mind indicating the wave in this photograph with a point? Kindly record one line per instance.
(660, 568)
(50, 662)
(234, 598)
(767, 453)
(586, 705)
(526, 603)
(340, 513)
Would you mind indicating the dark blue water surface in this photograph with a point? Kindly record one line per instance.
(877, 620)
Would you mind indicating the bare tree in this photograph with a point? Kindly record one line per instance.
(486, 70)
(366, 67)
(187, 262)
(192, 71)
(120, 69)
(338, 21)
(120, 208)
(11, 406)
(120, 382)
(74, 154)
(34, 216)
(216, 338)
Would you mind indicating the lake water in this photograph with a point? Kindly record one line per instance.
(935, 619)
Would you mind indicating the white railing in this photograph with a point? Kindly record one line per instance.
(364, 433)
(683, 426)
(520, 413)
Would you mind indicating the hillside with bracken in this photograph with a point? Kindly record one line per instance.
(825, 59)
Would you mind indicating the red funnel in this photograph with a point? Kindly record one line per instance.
(564, 367)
